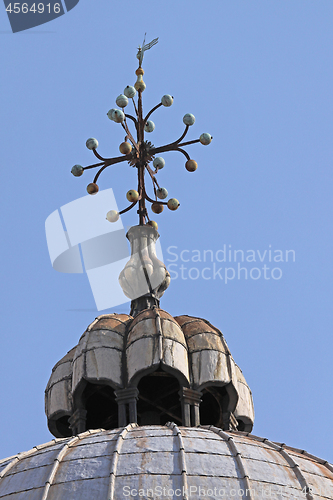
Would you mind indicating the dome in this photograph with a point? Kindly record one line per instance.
(148, 369)
(164, 461)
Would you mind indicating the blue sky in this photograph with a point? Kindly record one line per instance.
(258, 76)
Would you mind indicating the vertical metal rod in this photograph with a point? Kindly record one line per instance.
(141, 165)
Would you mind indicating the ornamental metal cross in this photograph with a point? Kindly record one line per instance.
(138, 152)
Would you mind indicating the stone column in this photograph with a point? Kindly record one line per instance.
(190, 400)
(78, 421)
(127, 398)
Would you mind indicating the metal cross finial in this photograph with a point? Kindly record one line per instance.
(141, 50)
(138, 152)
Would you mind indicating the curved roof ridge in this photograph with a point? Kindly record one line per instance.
(62, 453)
(56, 465)
(89, 327)
(6, 459)
(115, 457)
(321, 461)
(110, 315)
(218, 334)
(24, 454)
(208, 323)
(296, 468)
(183, 467)
(237, 455)
(65, 359)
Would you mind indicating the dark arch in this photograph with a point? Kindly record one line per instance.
(98, 400)
(214, 404)
(59, 426)
(158, 400)
(100, 404)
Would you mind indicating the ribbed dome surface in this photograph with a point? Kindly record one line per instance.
(107, 465)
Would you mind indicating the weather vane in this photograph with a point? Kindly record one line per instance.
(139, 152)
(141, 50)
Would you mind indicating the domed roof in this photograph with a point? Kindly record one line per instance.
(183, 356)
(164, 461)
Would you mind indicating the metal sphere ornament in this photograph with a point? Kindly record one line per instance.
(110, 113)
(118, 116)
(157, 208)
(77, 170)
(112, 216)
(159, 162)
(132, 195)
(150, 126)
(189, 119)
(205, 139)
(125, 148)
(161, 193)
(191, 165)
(129, 91)
(167, 100)
(173, 204)
(92, 143)
(92, 188)
(122, 101)
(153, 224)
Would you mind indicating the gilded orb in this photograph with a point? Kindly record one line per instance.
(157, 208)
(153, 224)
(132, 195)
(173, 204)
(92, 188)
(125, 148)
(191, 165)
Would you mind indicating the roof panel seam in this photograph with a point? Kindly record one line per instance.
(115, 457)
(298, 473)
(238, 457)
(182, 456)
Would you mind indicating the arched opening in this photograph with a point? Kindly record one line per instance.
(62, 427)
(241, 425)
(159, 400)
(102, 409)
(214, 402)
